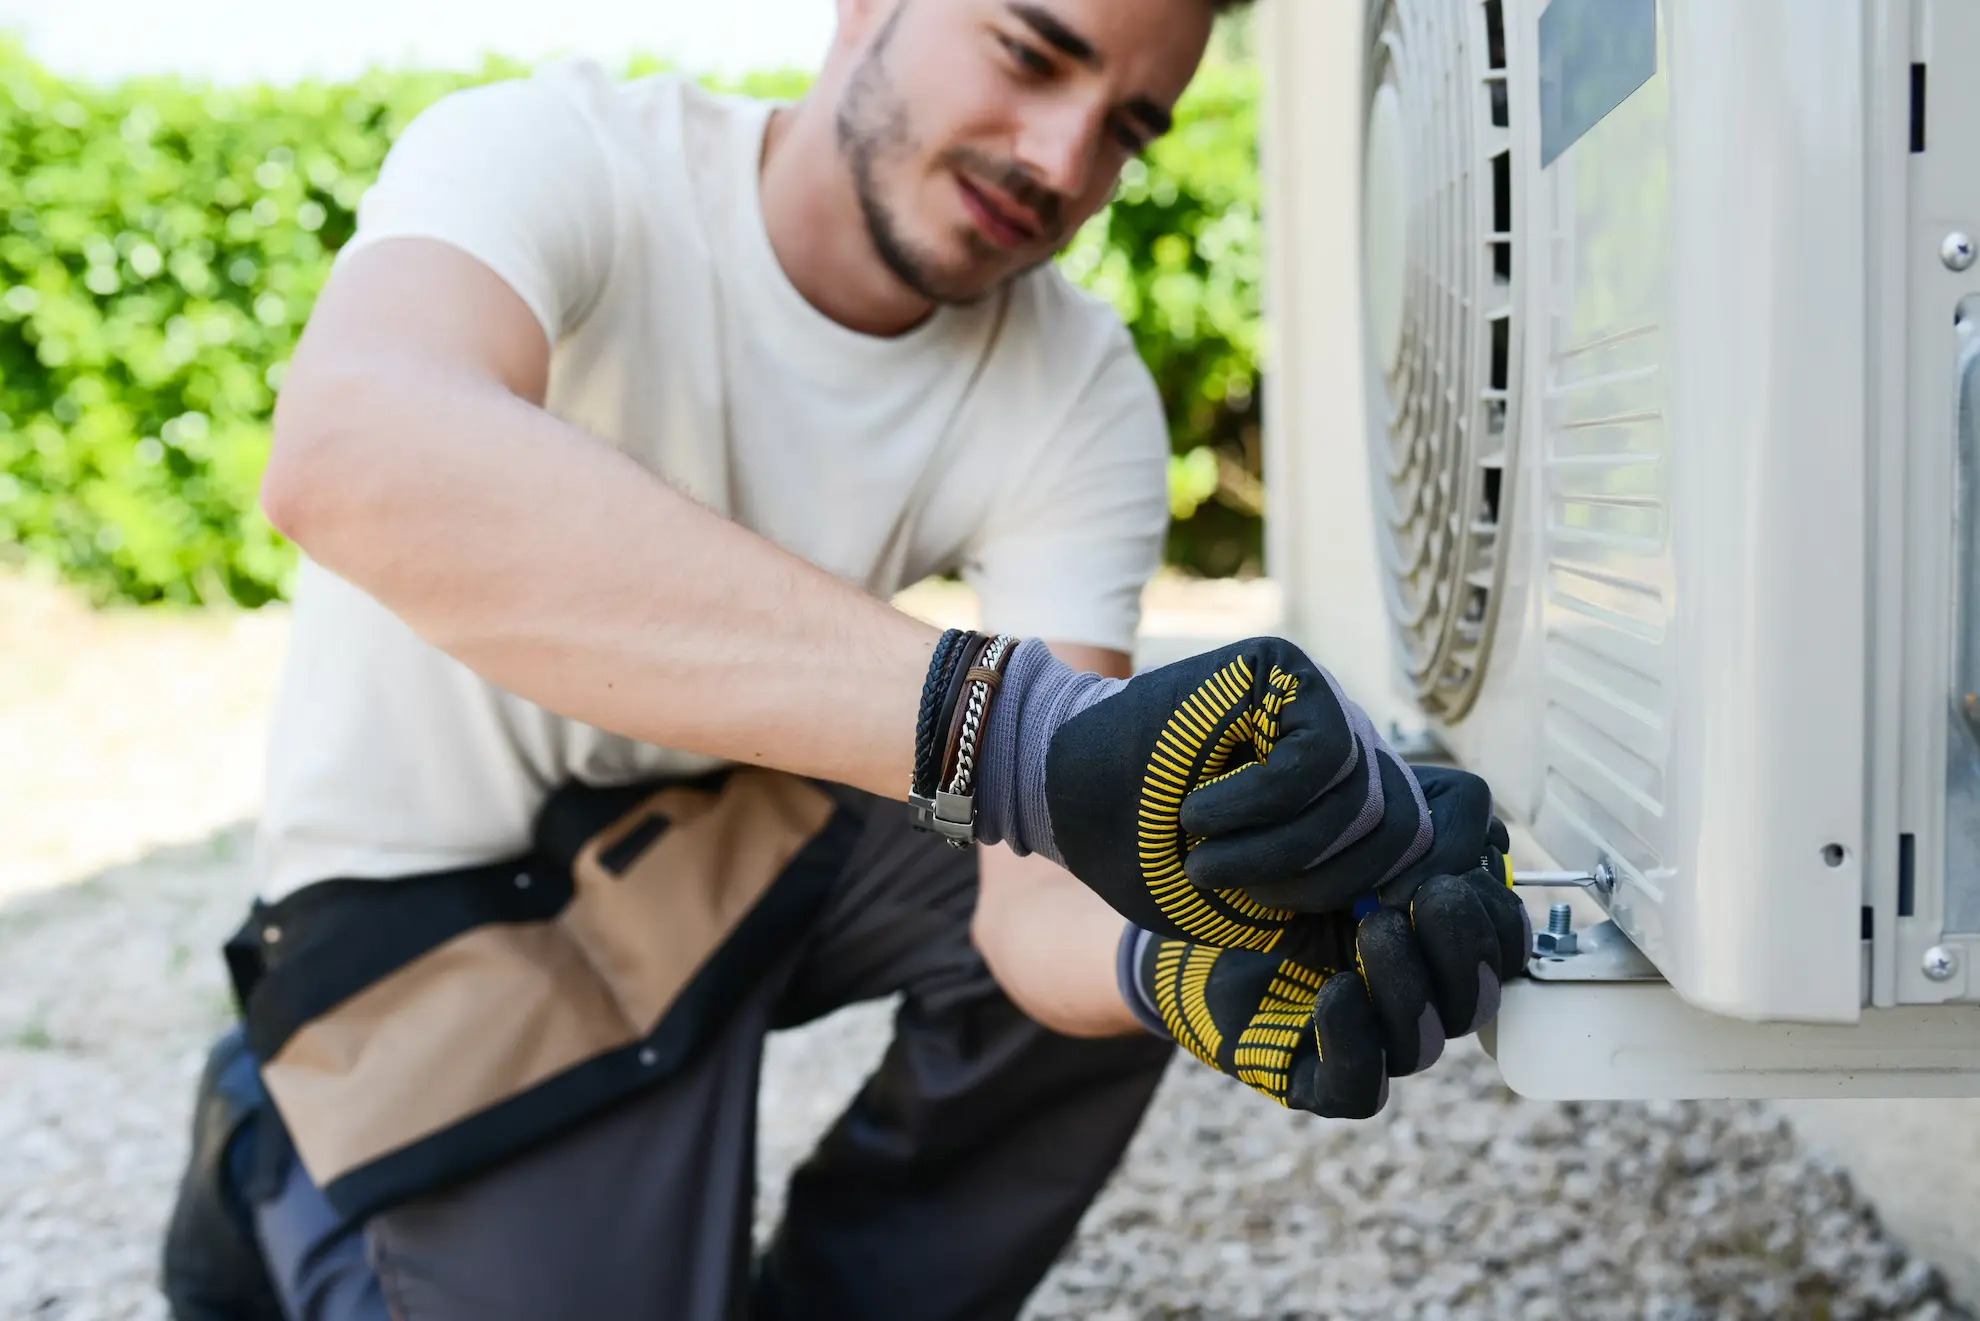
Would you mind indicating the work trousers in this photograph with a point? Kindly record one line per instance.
(943, 1192)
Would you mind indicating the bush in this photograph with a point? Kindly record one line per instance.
(1180, 254)
(164, 241)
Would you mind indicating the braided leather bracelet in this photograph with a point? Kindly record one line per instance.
(952, 814)
(928, 724)
(966, 654)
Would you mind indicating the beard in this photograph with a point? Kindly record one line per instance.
(871, 125)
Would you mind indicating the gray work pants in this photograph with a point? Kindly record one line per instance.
(944, 1191)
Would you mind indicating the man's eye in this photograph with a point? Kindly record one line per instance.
(1027, 57)
(1129, 140)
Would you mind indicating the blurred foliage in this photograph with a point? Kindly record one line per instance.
(1180, 254)
(161, 243)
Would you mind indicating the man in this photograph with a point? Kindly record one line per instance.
(621, 415)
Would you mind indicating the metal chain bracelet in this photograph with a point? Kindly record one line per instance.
(951, 812)
(979, 699)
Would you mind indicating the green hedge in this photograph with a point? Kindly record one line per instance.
(163, 243)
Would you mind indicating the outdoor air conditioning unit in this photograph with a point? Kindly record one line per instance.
(1673, 412)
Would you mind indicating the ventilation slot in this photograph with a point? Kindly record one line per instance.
(1502, 193)
(1917, 107)
(1501, 347)
(1907, 874)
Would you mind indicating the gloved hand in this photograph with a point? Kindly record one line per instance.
(1216, 798)
(1324, 1022)
(1462, 830)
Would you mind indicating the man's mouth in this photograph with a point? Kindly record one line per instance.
(1002, 221)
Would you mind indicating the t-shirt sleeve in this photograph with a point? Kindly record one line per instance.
(516, 175)
(1066, 557)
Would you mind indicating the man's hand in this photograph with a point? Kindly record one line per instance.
(1216, 799)
(1324, 1022)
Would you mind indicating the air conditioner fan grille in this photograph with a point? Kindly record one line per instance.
(1440, 217)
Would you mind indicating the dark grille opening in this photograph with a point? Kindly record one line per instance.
(1495, 33)
(1918, 107)
(1907, 874)
(1501, 111)
(1501, 350)
(1502, 262)
(1491, 502)
(1502, 192)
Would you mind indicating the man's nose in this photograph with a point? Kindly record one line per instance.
(1058, 150)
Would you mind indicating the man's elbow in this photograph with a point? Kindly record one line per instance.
(299, 485)
(284, 491)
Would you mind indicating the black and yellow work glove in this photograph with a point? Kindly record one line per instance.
(1323, 1023)
(1217, 798)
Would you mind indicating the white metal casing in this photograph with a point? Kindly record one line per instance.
(1721, 653)
(1695, 611)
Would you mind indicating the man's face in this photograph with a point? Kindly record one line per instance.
(982, 133)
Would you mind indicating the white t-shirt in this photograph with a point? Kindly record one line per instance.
(625, 215)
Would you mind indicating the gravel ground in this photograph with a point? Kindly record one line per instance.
(1460, 1201)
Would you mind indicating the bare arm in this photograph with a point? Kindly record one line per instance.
(1049, 940)
(412, 457)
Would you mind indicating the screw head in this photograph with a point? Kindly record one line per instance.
(1956, 250)
(1941, 963)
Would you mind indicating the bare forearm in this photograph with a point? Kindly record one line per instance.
(1050, 942)
(561, 570)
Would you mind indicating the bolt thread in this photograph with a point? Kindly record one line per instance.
(1560, 919)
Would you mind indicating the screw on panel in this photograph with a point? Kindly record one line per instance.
(1941, 963)
(1956, 251)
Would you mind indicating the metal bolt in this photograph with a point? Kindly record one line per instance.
(648, 1057)
(1558, 940)
(270, 934)
(1941, 963)
(522, 880)
(1956, 251)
